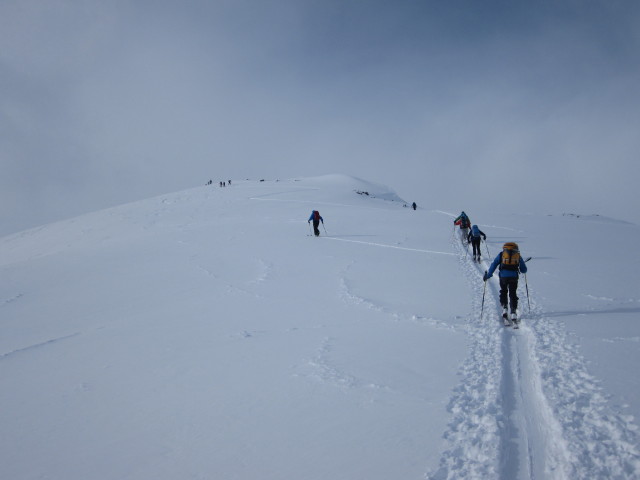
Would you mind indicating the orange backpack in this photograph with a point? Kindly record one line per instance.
(510, 259)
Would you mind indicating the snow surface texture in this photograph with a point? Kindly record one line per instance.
(207, 334)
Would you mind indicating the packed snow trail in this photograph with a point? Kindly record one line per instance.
(532, 443)
(373, 244)
(526, 407)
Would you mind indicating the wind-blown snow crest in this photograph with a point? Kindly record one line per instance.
(354, 184)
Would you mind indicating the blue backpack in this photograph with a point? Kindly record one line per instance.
(475, 231)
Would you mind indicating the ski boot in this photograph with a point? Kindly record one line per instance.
(514, 319)
(505, 317)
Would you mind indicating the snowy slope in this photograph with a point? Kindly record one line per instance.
(206, 334)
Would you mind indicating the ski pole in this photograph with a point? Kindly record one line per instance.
(527, 286)
(325, 228)
(310, 231)
(487, 247)
(483, 292)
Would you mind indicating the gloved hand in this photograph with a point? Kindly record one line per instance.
(486, 277)
(309, 222)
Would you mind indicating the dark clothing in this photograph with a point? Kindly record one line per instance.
(462, 220)
(475, 243)
(479, 232)
(475, 240)
(315, 216)
(508, 288)
(414, 206)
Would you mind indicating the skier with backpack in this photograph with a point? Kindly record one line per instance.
(474, 239)
(463, 221)
(315, 216)
(510, 265)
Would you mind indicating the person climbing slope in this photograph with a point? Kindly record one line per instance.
(464, 222)
(510, 265)
(474, 239)
(316, 218)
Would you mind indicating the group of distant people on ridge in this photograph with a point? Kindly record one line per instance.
(509, 263)
(222, 183)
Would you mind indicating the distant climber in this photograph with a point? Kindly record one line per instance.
(474, 239)
(414, 206)
(463, 221)
(316, 218)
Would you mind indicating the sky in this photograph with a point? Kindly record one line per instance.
(459, 105)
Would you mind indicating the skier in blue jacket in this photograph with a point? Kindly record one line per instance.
(315, 216)
(474, 239)
(511, 264)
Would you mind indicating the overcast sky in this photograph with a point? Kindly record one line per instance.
(503, 105)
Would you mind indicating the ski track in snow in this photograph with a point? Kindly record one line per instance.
(621, 339)
(323, 371)
(526, 407)
(267, 269)
(347, 294)
(320, 369)
(37, 345)
(435, 252)
(472, 440)
(265, 272)
(6, 301)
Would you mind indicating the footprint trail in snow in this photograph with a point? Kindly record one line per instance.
(526, 407)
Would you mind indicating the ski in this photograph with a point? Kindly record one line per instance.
(505, 320)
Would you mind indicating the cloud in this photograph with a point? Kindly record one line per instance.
(108, 102)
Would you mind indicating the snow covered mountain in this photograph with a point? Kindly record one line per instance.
(207, 335)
